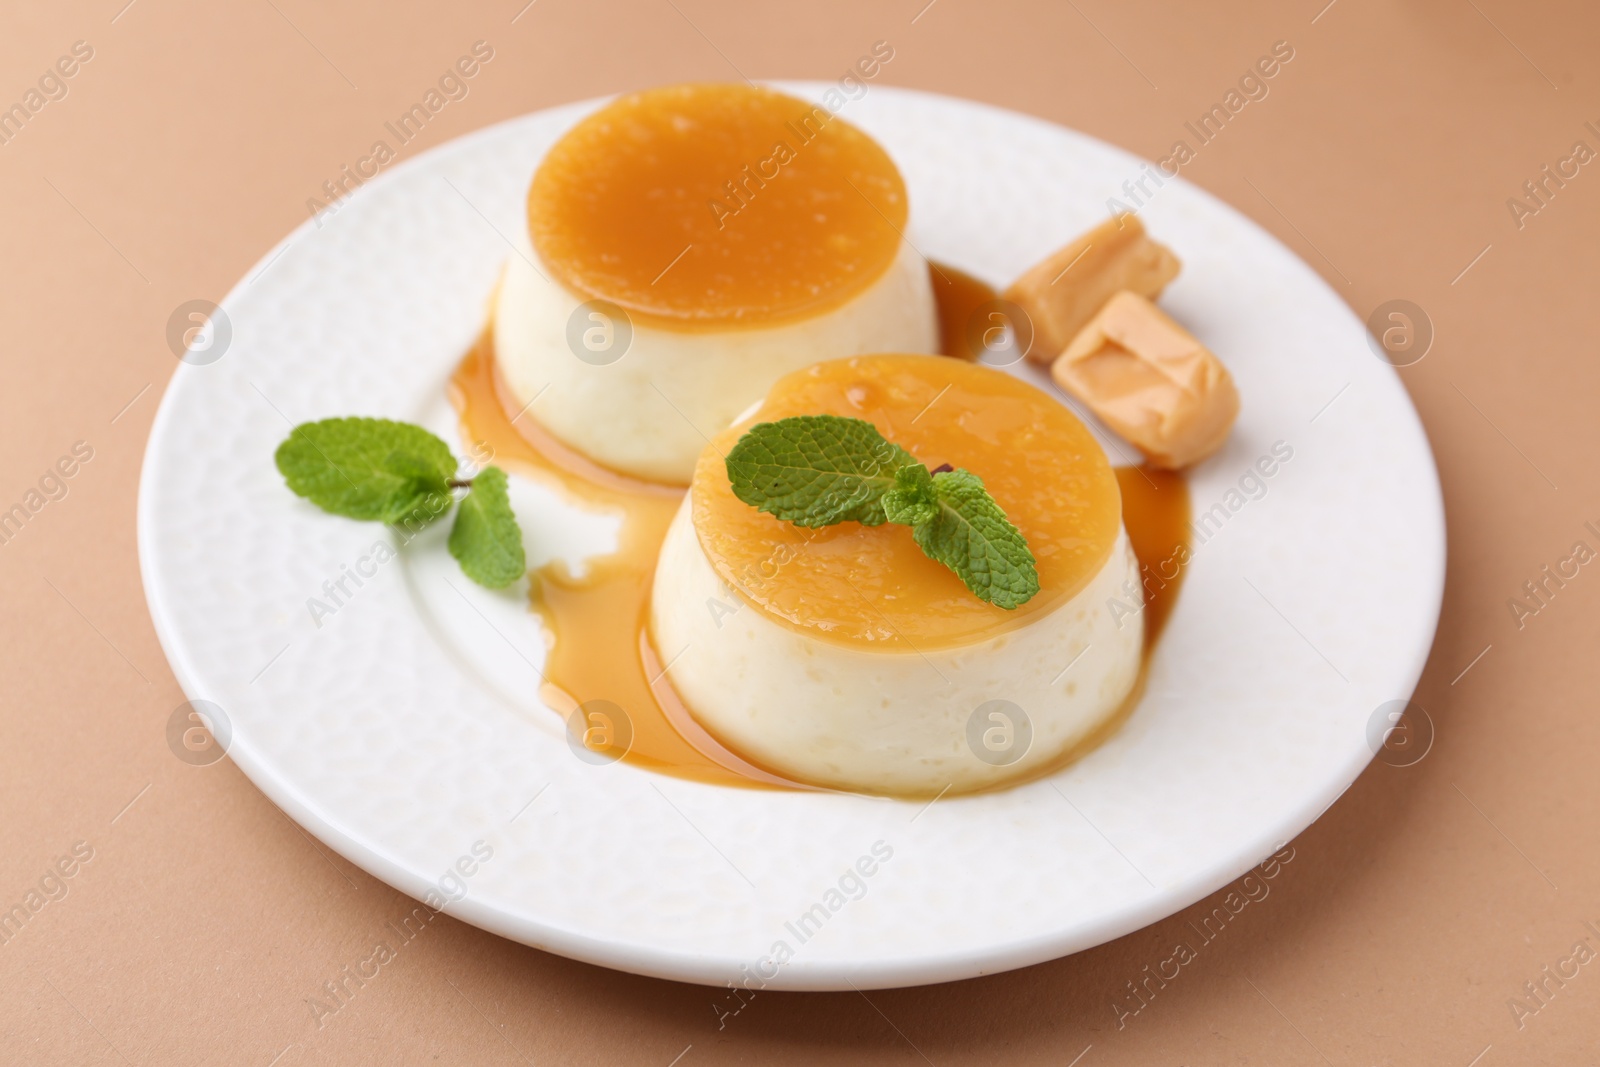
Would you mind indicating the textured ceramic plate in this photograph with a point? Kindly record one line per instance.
(404, 728)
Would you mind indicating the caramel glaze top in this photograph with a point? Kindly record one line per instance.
(700, 207)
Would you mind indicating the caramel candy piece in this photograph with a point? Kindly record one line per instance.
(1149, 380)
(1062, 293)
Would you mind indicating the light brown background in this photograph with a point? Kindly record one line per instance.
(1412, 910)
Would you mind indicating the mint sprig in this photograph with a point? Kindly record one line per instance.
(400, 474)
(914, 498)
(819, 470)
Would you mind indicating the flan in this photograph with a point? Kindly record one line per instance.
(688, 246)
(844, 657)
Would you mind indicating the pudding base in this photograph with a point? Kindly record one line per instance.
(648, 410)
(898, 722)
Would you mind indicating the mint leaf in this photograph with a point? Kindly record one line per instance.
(429, 498)
(486, 540)
(971, 535)
(913, 499)
(816, 470)
(364, 468)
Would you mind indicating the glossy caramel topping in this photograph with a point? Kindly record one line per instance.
(958, 296)
(597, 620)
(1156, 514)
(710, 206)
(874, 587)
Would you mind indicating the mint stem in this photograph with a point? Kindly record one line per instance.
(460, 483)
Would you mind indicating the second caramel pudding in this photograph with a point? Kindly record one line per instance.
(736, 233)
(845, 657)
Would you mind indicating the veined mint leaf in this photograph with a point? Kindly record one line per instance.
(486, 540)
(971, 535)
(816, 470)
(913, 499)
(430, 499)
(363, 468)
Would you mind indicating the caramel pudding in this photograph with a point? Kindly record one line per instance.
(844, 656)
(686, 248)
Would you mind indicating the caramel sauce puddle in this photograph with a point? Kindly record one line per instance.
(601, 652)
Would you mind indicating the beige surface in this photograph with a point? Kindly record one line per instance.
(1384, 153)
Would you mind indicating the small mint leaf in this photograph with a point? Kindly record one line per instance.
(971, 535)
(816, 470)
(913, 499)
(486, 540)
(428, 499)
(363, 468)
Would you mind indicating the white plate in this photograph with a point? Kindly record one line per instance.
(405, 729)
